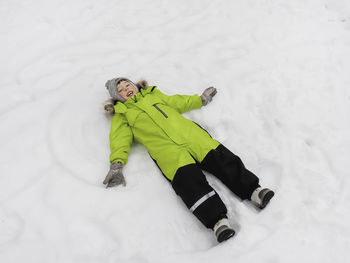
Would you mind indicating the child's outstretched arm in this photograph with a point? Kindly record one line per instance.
(184, 103)
(120, 138)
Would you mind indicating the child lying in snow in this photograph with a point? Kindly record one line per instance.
(180, 148)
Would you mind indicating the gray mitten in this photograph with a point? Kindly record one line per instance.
(208, 95)
(115, 175)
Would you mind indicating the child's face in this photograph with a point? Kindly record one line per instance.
(126, 89)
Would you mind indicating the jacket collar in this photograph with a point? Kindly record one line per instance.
(121, 107)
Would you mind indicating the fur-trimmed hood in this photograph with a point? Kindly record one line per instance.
(108, 104)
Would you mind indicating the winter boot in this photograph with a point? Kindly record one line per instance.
(222, 230)
(261, 197)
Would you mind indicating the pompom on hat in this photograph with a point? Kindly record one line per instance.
(112, 84)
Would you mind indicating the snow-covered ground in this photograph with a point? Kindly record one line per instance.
(281, 69)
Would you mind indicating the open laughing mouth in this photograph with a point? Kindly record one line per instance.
(129, 93)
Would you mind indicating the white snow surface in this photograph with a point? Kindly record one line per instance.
(281, 69)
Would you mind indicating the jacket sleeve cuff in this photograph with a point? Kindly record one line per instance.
(197, 101)
(118, 160)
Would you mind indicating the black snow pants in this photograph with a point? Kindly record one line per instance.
(203, 201)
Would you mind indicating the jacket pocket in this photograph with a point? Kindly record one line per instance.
(164, 114)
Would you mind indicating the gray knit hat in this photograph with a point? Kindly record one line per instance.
(112, 84)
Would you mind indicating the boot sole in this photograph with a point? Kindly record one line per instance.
(267, 199)
(226, 234)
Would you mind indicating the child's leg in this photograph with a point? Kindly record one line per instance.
(191, 185)
(229, 168)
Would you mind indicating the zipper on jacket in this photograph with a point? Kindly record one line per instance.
(160, 110)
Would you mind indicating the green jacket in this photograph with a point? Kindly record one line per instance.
(154, 119)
